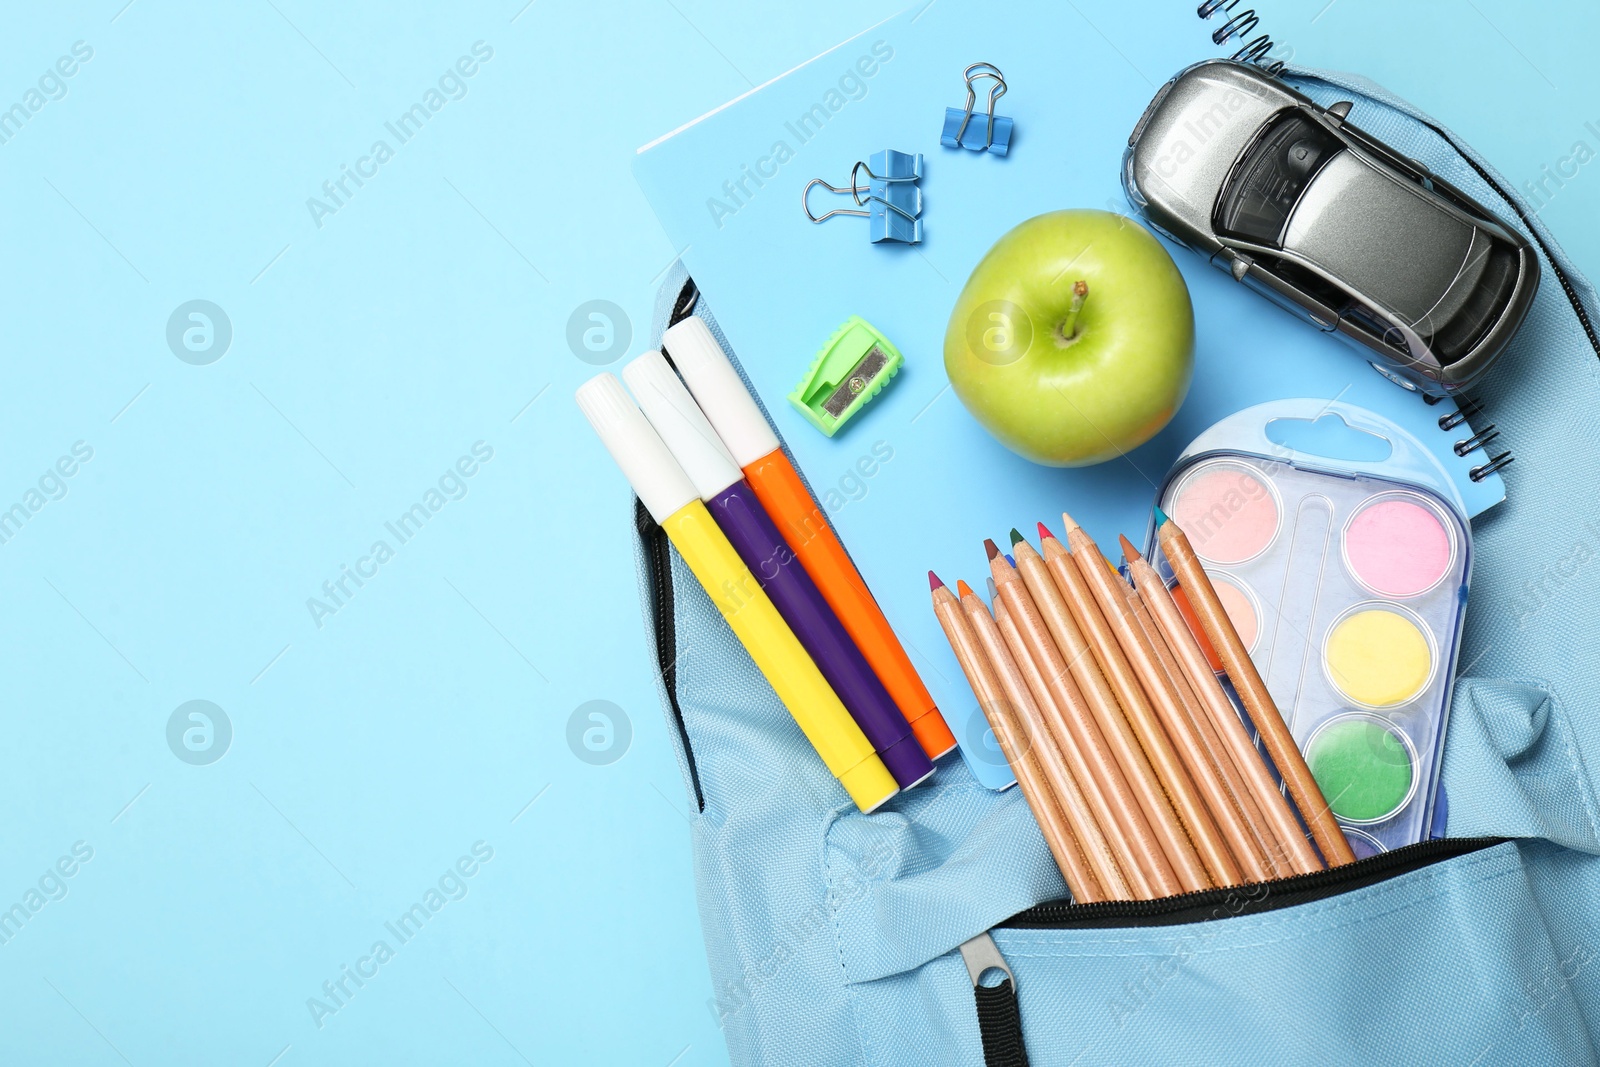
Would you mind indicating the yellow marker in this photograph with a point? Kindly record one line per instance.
(672, 500)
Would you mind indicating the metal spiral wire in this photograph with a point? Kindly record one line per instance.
(1467, 407)
(1238, 26)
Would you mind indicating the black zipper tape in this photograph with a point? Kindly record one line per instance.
(1561, 275)
(684, 305)
(1208, 904)
(658, 557)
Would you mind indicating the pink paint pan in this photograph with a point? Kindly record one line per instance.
(1397, 545)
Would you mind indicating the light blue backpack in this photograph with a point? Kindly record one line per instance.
(937, 931)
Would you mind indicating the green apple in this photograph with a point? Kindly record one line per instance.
(1073, 340)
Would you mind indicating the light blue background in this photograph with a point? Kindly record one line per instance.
(367, 356)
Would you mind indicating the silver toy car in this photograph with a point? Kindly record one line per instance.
(1327, 221)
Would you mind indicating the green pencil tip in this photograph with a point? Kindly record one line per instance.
(1161, 516)
(1016, 537)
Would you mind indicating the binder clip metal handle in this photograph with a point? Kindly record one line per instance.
(972, 75)
(891, 199)
(855, 190)
(997, 138)
(805, 200)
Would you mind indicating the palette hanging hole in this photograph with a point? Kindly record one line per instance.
(1330, 437)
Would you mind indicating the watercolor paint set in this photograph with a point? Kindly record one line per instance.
(1341, 551)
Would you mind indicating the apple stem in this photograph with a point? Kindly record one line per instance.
(1067, 331)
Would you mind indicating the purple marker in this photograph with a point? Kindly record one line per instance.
(683, 426)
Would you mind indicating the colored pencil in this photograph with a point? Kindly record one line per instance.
(1292, 849)
(1143, 872)
(1224, 839)
(1018, 730)
(1124, 749)
(1065, 774)
(1254, 843)
(1127, 879)
(1166, 769)
(1252, 690)
(1140, 856)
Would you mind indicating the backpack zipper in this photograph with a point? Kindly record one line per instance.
(658, 558)
(1561, 275)
(1210, 904)
(1000, 1027)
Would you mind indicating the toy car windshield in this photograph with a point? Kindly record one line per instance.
(1267, 182)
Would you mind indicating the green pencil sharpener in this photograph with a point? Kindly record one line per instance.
(848, 372)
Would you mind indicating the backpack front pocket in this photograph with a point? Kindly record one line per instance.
(1443, 962)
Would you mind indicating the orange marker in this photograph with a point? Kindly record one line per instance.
(733, 412)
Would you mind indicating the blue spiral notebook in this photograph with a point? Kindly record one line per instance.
(913, 483)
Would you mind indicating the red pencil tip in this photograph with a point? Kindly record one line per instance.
(934, 582)
(990, 547)
(962, 588)
(1129, 553)
(1044, 531)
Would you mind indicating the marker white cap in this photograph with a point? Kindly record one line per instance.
(722, 394)
(681, 424)
(635, 445)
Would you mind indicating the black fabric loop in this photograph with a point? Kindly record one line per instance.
(1000, 1025)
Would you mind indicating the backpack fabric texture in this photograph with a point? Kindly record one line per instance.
(832, 936)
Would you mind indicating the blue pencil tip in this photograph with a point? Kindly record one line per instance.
(1161, 516)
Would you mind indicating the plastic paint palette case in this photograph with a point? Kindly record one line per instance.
(1349, 591)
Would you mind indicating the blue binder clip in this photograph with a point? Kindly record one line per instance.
(997, 131)
(890, 197)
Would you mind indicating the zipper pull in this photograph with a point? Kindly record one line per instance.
(999, 1016)
(981, 954)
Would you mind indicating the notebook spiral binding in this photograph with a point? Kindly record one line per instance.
(1238, 26)
(1466, 408)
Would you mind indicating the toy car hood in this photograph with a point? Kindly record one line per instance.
(1182, 153)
